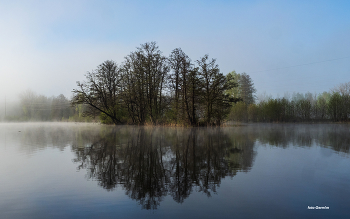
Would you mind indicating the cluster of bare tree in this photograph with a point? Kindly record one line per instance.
(151, 88)
(328, 106)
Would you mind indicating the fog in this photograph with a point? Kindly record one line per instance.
(48, 46)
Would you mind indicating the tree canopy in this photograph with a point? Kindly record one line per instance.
(151, 88)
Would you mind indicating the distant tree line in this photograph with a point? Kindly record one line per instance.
(34, 107)
(329, 106)
(149, 88)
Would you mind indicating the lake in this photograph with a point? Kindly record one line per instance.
(68, 170)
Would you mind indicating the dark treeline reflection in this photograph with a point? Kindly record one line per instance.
(151, 163)
(334, 136)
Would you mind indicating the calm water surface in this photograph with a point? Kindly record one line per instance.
(63, 170)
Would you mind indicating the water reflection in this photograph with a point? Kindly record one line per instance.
(333, 136)
(151, 163)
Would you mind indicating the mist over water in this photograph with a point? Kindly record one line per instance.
(60, 170)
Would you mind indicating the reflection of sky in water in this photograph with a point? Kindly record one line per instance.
(282, 171)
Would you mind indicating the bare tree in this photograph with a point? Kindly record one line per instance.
(176, 61)
(144, 74)
(214, 86)
(101, 91)
(186, 86)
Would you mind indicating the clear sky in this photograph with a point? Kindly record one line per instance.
(47, 46)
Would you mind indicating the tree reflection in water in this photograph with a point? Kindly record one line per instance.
(151, 163)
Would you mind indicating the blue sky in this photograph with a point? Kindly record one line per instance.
(47, 46)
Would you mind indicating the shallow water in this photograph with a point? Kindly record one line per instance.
(67, 170)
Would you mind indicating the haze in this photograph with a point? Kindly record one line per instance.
(47, 46)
